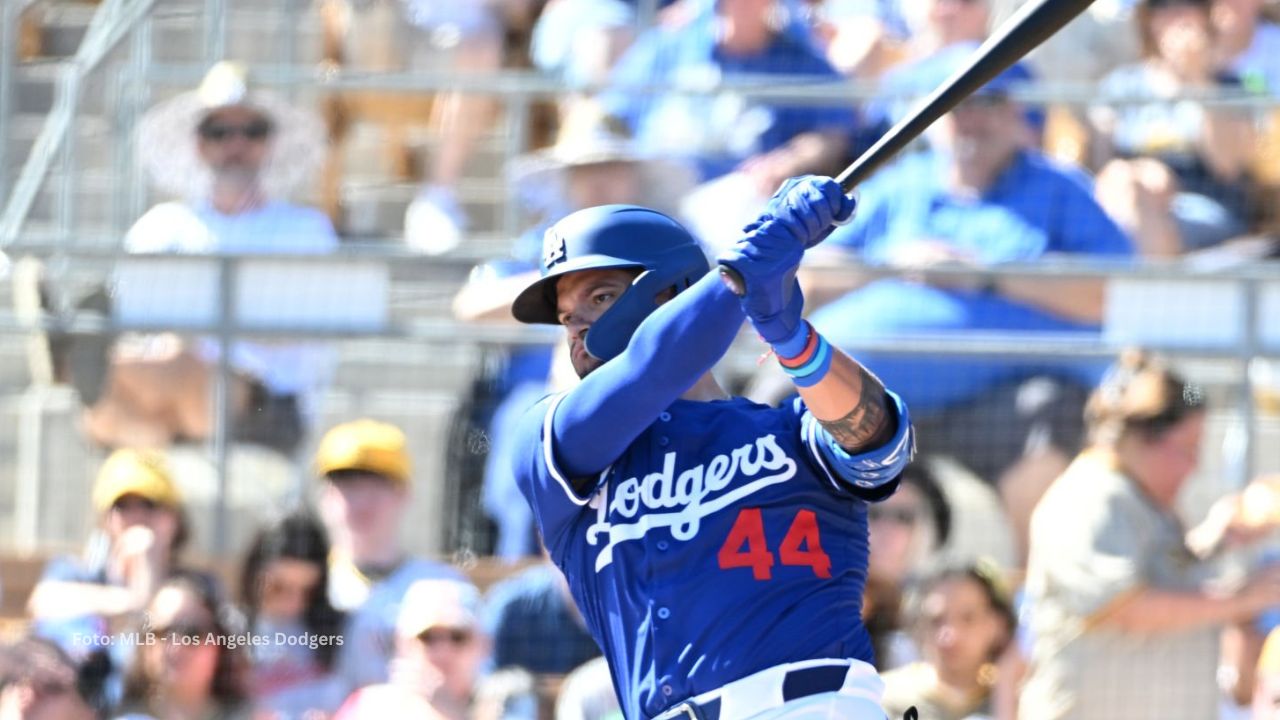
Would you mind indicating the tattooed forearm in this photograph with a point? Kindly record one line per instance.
(869, 424)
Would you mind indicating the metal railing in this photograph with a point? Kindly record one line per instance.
(113, 19)
(418, 325)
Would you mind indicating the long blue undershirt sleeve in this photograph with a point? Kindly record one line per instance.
(674, 347)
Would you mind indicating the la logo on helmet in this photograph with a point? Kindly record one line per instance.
(553, 250)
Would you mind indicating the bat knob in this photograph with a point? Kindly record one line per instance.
(733, 280)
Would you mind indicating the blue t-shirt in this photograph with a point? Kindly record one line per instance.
(716, 133)
(720, 543)
(1034, 209)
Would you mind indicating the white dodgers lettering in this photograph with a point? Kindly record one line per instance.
(684, 496)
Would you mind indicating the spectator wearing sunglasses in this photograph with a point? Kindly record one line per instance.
(231, 153)
(38, 681)
(439, 650)
(284, 592)
(142, 529)
(189, 663)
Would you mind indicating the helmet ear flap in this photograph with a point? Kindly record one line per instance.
(612, 331)
(678, 268)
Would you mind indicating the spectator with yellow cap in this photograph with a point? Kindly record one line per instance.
(141, 530)
(439, 650)
(365, 474)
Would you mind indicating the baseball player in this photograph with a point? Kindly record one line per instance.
(716, 547)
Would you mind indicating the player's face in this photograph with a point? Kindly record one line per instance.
(233, 142)
(961, 629)
(581, 298)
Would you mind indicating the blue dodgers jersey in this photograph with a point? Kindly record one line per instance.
(718, 545)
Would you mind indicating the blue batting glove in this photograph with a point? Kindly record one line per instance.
(808, 207)
(799, 216)
(782, 325)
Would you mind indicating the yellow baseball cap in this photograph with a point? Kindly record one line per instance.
(367, 445)
(1269, 657)
(135, 472)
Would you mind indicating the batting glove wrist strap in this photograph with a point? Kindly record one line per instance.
(810, 363)
(795, 345)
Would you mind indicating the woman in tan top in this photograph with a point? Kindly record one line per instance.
(1123, 621)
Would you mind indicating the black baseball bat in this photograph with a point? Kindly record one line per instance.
(1017, 36)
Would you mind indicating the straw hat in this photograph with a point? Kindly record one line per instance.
(590, 137)
(167, 136)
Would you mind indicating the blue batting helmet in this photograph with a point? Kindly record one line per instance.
(614, 236)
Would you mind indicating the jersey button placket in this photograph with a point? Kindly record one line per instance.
(664, 613)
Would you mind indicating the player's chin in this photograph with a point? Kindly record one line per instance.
(585, 365)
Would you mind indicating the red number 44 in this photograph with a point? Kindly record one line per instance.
(746, 546)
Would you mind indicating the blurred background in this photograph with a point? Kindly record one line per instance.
(347, 194)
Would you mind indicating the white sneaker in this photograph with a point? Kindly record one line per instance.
(434, 222)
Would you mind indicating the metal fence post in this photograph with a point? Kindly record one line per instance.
(228, 267)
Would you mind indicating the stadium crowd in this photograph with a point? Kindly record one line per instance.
(1033, 563)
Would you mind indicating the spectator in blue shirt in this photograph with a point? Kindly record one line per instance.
(905, 84)
(727, 40)
(981, 198)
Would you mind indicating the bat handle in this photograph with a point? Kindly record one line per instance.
(733, 280)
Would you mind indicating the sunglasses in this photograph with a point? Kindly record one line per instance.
(897, 516)
(255, 131)
(455, 636)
